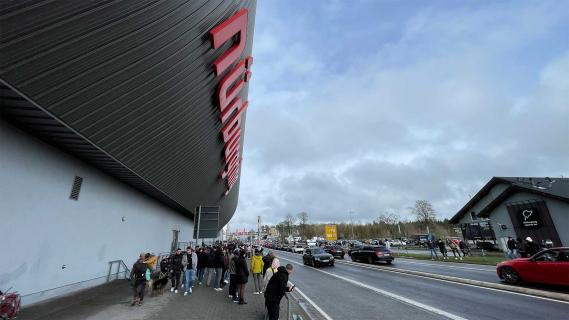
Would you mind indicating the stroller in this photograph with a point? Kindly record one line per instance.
(9, 304)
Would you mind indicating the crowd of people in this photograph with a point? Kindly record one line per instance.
(459, 248)
(215, 266)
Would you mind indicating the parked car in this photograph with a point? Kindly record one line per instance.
(354, 248)
(335, 251)
(549, 266)
(397, 242)
(372, 254)
(316, 257)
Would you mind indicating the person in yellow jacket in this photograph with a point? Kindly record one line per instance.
(257, 271)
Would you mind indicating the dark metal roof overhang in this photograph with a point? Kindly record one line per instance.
(127, 86)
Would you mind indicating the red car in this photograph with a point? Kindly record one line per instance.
(549, 266)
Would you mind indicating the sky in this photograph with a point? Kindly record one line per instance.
(367, 106)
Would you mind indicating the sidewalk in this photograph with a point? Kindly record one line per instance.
(112, 301)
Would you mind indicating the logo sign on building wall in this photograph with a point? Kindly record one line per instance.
(231, 106)
(530, 218)
(330, 232)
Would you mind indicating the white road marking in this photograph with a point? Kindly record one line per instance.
(324, 314)
(445, 266)
(355, 264)
(391, 295)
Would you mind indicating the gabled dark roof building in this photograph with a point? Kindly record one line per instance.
(519, 207)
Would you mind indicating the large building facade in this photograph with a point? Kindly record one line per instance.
(118, 119)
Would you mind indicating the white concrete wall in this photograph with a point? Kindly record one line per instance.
(41, 229)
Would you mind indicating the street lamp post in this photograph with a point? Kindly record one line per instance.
(352, 223)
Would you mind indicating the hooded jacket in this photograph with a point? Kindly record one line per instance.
(257, 264)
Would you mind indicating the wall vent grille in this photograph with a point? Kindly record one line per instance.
(76, 188)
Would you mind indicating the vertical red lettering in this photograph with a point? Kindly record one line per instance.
(236, 25)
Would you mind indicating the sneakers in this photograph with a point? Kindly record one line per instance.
(230, 296)
(260, 292)
(176, 291)
(217, 289)
(182, 286)
(190, 290)
(171, 289)
(225, 281)
(255, 292)
(185, 293)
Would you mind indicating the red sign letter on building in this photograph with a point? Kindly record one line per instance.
(237, 24)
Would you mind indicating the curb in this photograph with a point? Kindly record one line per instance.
(498, 286)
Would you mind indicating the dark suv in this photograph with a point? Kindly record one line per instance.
(336, 251)
(372, 254)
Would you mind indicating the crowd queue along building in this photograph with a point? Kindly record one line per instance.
(118, 119)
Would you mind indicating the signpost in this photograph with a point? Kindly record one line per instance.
(331, 232)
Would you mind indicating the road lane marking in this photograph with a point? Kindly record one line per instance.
(374, 267)
(391, 295)
(324, 314)
(440, 265)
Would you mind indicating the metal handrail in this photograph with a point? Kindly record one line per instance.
(119, 264)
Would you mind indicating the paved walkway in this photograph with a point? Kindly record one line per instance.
(112, 301)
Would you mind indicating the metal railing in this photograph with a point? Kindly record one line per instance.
(119, 265)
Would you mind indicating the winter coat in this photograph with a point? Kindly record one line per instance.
(233, 265)
(138, 272)
(202, 259)
(241, 270)
(270, 272)
(211, 259)
(267, 261)
(442, 246)
(277, 286)
(218, 261)
(186, 264)
(532, 248)
(177, 262)
(257, 264)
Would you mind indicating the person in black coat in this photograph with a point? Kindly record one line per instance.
(202, 265)
(176, 270)
(138, 276)
(242, 275)
(267, 261)
(276, 289)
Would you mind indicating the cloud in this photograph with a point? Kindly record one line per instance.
(431, 103)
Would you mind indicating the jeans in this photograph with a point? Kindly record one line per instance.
(226, 275)
(176, 279)
(233, 286)
(139, 288)
(434, 254)
(189, 280)
(201, 272)
(512, 253)
(208, 275)
(217, 283)
(258, 281)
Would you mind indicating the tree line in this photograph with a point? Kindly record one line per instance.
(385, 225)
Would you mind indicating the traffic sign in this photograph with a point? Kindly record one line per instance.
(330, 232)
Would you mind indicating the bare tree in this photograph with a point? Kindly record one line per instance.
(424, 211)
(290, 222)
(302, 221)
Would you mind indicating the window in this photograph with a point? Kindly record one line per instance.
(76, 188)
(473, 215)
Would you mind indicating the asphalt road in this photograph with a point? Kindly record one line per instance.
(348, 291)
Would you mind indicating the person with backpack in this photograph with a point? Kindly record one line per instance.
(276, 289)
(138, 277)
(190, 264)
(270, 272)
(257, 271)
(176, 269)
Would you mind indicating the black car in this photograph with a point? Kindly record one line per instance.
(316, 257)
(372, 254)
(335, 251)
(352, 249)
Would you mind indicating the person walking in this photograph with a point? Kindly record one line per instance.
(138, 275)
(431, 246)
(190, 263)
(463, 248)
(276, 289)
(257, 271)
(218, 265)
(531, 247)
(233, 275)
(210, 270)
(176, 270)
(270, 272)
(512, 248)
(442, 249)
(267, 261)
(202, 264)
(242, 275)
(225, 272)
(452, 245)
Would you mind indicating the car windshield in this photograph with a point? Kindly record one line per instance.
(317, 251)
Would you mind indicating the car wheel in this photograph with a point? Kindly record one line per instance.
(510, 275)
(388, 262)
(370, 260)
(331, 264)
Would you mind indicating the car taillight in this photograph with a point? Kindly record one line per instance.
(333, 250)
(378, 253)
